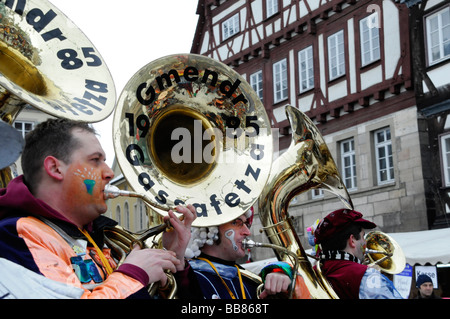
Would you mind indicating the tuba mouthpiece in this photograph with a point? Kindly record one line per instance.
(248, 243)
(112, 191)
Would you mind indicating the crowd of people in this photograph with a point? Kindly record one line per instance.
(51, 236)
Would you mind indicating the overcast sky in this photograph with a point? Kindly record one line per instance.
(130, 34)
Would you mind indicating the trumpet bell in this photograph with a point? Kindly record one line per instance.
(188, 129)
(384, 252)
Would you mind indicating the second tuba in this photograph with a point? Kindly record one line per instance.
(384, 252)
(305, 165)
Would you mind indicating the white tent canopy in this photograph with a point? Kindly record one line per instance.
(421, 247)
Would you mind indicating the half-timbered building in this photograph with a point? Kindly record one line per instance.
(348, 65)
(430, 47)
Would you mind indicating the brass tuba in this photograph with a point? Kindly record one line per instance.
(46, 62)
(188, 129)
(305, 165)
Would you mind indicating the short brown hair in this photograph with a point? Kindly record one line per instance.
(50, 138)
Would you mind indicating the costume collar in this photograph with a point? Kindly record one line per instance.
(225, 268)
(338, 255)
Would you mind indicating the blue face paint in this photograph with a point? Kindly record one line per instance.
(90, 183)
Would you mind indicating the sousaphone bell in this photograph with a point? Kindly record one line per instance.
(188, 129)
(46, 62)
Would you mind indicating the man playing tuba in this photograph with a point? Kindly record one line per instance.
(341, 237)
(213, 273)
(51, 218)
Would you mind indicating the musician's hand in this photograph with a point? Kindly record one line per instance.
(153, 262)
(275, 283)
(178, 239)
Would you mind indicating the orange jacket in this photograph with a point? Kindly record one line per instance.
(30, 242)
(52, 255)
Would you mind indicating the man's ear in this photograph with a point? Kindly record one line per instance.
(52, 167)
(351, 241)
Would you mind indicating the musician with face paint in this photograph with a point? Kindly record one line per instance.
(51, 219)
(213, 273)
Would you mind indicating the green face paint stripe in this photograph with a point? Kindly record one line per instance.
(90, 183)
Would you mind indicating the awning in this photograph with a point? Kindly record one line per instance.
(421, 247)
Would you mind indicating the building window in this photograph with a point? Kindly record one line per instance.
(280, 83)
(271, 7)
(336, 55)
(348, 162)
(383, 153)
(118, 217)
(126, 223)
(306, 69)
(445, 151)
(23, 127)
(370, 39)
(230, 27)
(317, 193)
(438, 36)
(256, 81)
(139, 211)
